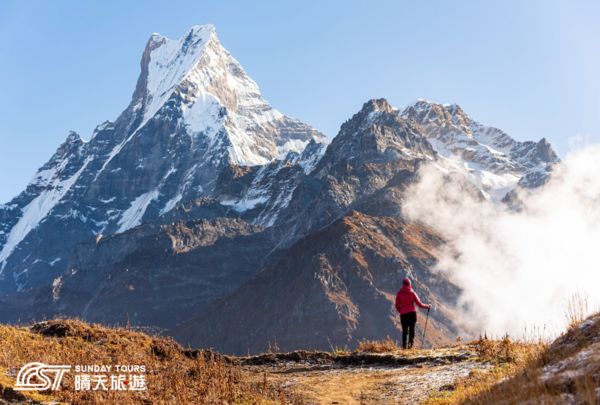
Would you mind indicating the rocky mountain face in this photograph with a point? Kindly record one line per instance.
(495, 162)
(370, 149)
(194, 116)
(355, 242)
(159, 274)
(205, 213)
(331, 288)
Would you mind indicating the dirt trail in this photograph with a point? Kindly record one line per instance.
(364, 378)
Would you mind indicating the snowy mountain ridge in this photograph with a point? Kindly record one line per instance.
(490, 158)
(493, 160)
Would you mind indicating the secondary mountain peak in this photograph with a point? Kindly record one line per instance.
(73, 137)
(372, 111)
(545, 152)
(377, 105)
(424, 111)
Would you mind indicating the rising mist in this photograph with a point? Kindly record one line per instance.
(519, 268)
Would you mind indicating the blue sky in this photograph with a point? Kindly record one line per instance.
(531, 68)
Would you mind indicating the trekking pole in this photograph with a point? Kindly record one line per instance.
(425, 328)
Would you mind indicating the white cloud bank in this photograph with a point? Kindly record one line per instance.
(518, 269)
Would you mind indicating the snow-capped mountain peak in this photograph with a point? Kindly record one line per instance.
(198, 76)
(166, 63)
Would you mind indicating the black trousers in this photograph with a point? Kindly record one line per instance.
(408, 321)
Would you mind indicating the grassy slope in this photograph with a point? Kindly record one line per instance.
(179, 376)
(173, 375)
(567, 371)
(564, 372)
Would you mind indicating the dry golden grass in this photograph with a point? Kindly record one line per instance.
(378, 346)
(506, 351)
(536, 373)
(173, 375)
(577, 309)
(508, 358)
(179, 376)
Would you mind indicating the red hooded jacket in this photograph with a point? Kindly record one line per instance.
(407, 298)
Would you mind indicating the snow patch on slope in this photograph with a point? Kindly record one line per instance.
(170, 204)
(38, 209)
(495, 186)
(203, 115)
(245, 203)
(293, 145)
(133, 215)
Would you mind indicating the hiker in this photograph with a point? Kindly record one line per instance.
(405, 304)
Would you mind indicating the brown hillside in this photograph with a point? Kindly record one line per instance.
(173, 375)
(333, 288)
